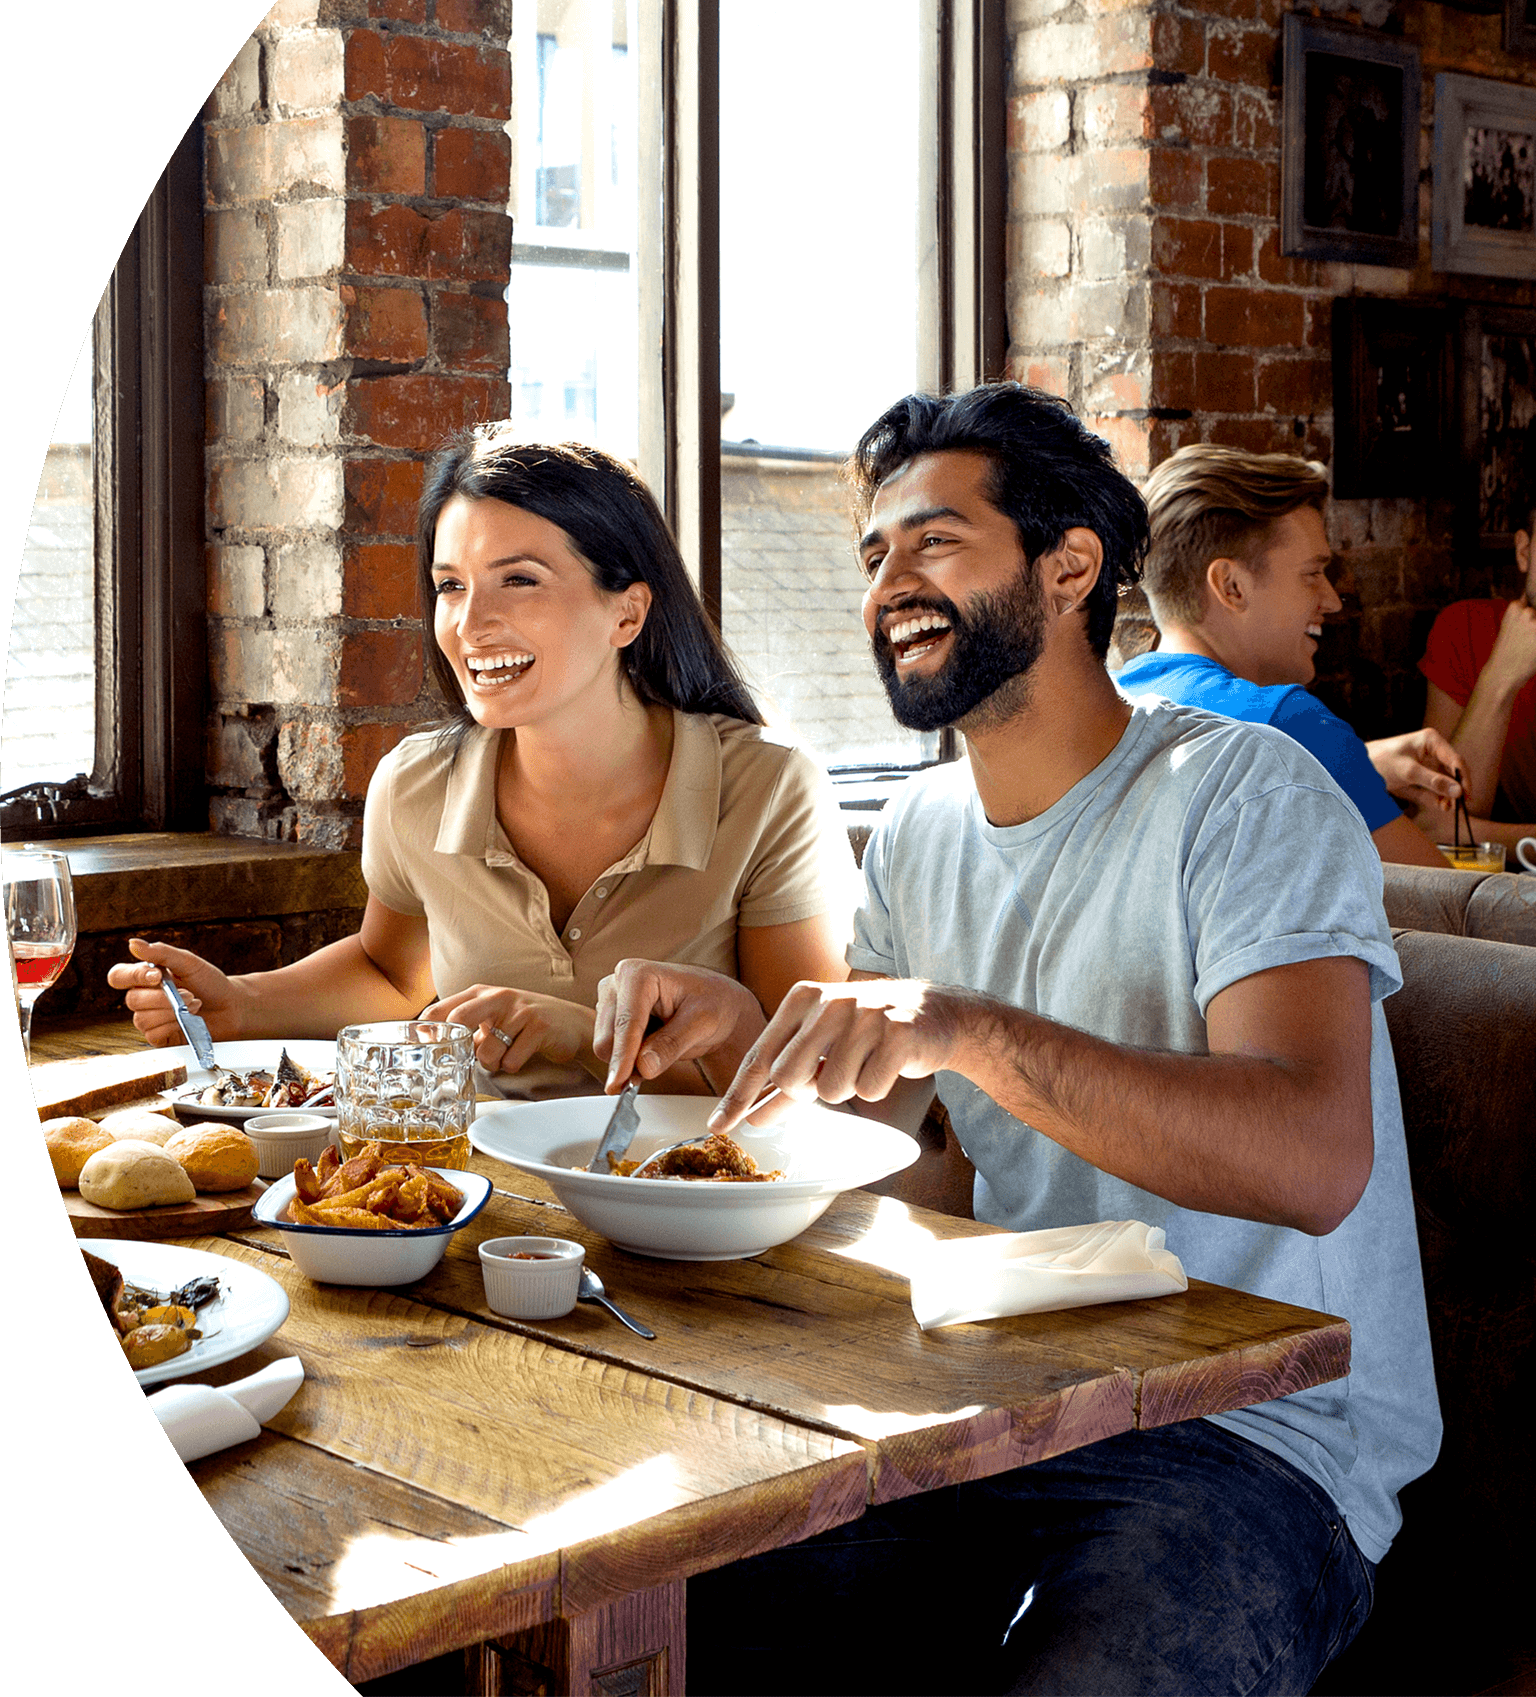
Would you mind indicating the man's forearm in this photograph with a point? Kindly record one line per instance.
(1480, 734)
(1259, 1138)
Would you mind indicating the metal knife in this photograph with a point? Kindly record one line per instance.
(620, 1131)
(193, 1029)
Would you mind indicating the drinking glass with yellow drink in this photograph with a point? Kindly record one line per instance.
(407, 1085)
(1474, 857)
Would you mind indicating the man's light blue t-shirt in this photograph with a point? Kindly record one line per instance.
(1198, 853)
(1193, 680)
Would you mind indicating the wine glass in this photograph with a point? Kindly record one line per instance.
(40, 921)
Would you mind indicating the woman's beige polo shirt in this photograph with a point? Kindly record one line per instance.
(746, 833)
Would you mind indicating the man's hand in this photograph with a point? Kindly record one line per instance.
(702, 1014)
(1420, 768)
(1513, 660)
(836, 1041)
(512, 1026)
(204, 989)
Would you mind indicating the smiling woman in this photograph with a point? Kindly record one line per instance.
(602, 790)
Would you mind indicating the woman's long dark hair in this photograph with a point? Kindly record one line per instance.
(615, 526)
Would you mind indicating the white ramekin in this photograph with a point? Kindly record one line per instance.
(282, 1138)
(531, 1290)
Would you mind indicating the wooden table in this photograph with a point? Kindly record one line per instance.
(539, 1493)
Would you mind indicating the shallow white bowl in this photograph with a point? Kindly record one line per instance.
(822, 1153)
(340, 1255)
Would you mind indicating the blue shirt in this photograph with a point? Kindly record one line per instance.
(1192, 680)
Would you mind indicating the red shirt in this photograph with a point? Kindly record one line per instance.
(1459, 646)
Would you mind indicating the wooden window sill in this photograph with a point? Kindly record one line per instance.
(145, 879)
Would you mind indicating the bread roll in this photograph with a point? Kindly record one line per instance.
(142, 1124)
(216, 1157)
(71, 1143)
(134, 1175)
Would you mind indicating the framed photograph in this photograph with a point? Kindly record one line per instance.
(1485, 177)
(1394, 397)
(1519, 26)
(1349, 171)
(1498, 420)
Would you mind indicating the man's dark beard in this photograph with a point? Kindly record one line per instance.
(996, 640)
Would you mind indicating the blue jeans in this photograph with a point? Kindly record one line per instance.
(1178, 1560)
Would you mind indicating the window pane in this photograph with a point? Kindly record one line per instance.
(573, 301)
(822, 118)
(49, 728)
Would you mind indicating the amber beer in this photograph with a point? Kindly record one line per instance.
(407, 1085)
(1474, 857)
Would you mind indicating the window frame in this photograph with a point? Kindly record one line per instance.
(962, 308)
(148, 477)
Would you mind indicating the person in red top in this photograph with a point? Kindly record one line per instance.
(1481, 667)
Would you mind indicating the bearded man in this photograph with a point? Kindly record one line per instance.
(1141, 951)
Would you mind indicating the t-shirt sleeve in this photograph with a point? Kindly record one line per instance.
(384, 869)
(1450, 660)
(1340, 753)
(1287, 875)
(803, 865)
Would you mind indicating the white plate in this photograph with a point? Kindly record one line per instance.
(313, 1054)
(247, 1311)
(822, 1153)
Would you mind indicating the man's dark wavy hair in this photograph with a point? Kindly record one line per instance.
(615, 526)
(1049, 474)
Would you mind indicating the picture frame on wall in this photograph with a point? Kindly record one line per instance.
(1520, 26)
(1484, 218)
(1394, 397)
(1497, 380)
(1349, 162)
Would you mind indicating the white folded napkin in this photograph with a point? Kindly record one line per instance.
(199, 1419)
(981, 1278)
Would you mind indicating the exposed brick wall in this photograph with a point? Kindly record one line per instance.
(358, 247)
(1146, 282)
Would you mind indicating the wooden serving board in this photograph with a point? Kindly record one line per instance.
(90, 1084)
(202, 1216)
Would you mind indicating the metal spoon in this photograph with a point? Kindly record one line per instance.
(591, 1290)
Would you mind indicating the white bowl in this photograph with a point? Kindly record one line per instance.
(822, 1153)
(287, 1135)
(343, 1255)
(542, 1287)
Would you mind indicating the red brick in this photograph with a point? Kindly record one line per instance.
(1245, 187)
(1174, 177)
(1199, 113)
(1255, 121)
(1253, 318)
(1221, 8)
(379, 581)
(1053, 373)
(1166, 436)
(381, 496)
(385, 323)
(420, 410)
(1173, 381)
(1186, 247)
(1301, 386)
(398, 241)
(1178, 44)
(380, 668)
(1249, 56)
(472, 165)
(362, 748)
(1176, 311)
(1128, 438)
(430, 76)
(386, 155)
(1275, 267)
(399, 11)
(1236, 251)
(469, 332)
(492, 18)
(1257, 435)
(1224, 382)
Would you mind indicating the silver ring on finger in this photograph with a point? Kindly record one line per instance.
(501, 1036)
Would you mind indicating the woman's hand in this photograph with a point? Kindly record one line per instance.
(206, 991)
(512, 1026)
